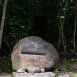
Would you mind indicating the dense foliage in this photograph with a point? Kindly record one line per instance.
(41, 18)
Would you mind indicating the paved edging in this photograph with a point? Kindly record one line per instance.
(6, 76)
(45, 74)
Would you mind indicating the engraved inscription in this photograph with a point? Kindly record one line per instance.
(30, 47)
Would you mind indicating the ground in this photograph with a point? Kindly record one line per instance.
(68, 63)
(5, 64)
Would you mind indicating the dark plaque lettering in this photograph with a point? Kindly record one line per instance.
(32, 48)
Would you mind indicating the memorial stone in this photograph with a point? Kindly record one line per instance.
(33, 51)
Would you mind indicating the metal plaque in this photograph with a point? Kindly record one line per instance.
(32, 48)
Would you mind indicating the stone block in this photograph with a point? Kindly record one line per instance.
(46, 74)
(6, 76)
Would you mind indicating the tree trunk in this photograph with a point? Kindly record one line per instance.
(74, 40)
(1, 2)
(2, 21)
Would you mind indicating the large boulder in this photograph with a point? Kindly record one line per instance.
(50, 59)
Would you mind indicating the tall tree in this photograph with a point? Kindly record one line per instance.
(74, 35)
(62, 14)
(2, 21)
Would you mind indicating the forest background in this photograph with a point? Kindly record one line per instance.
(53, 20)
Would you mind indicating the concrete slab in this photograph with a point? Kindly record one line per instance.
(6, 76)
(45, 74)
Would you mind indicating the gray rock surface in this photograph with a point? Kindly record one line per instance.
(34, 70)
(42, 70)
(46, 74)
(21, 71)
(50, 59)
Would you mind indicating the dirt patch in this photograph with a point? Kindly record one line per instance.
(68, 62)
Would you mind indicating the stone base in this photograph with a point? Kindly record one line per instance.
(45, 74)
